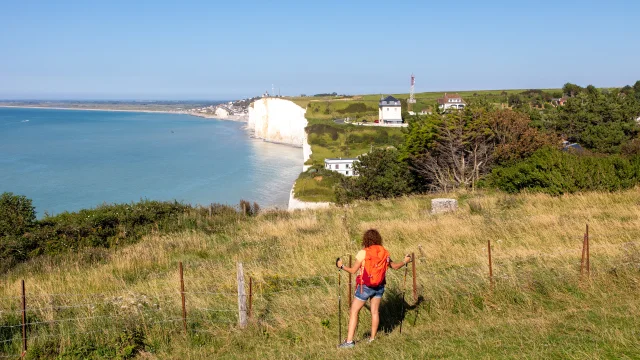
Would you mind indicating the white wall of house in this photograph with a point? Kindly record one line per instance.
(452, 105)
(390, 113)
(342, 166)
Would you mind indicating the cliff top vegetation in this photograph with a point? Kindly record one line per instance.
(124, 301)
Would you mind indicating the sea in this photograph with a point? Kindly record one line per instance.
(67, 160)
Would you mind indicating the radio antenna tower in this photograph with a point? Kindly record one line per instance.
(412, 98)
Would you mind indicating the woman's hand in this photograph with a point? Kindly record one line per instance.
(407, 259)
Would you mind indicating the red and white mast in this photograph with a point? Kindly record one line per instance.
(412, 99)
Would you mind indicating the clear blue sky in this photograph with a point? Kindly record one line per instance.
(221, 50)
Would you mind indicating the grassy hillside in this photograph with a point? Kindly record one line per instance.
(333, 140)
(331, 107)
(126, 302)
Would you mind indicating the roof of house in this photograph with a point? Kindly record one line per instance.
(389, 101)
(447, 97)
(340, 159)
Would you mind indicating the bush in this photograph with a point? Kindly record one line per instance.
(354, 108)
(17, 214)
(321, 129)
(380, 175)
(556, 172)
(103, 227)
(317, 184)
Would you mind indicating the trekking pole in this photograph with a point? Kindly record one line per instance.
(404, 287)
(339, 306)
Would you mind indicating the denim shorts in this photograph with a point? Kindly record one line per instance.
(364, 293)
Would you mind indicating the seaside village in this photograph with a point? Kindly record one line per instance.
(389, 115)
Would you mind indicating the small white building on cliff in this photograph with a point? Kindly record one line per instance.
(390, 111)
(342, 166)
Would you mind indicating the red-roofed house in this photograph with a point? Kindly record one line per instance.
(451, 101)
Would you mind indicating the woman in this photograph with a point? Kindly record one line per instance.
(370, 281)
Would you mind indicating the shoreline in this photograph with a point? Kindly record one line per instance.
(292, 205)
(237, 118)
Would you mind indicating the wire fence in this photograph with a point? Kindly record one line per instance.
(213, 310)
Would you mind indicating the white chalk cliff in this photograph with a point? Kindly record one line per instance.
(282, 121)
(278, 120)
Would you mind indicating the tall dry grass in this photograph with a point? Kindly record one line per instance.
(540, 306)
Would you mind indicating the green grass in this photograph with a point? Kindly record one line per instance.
(334, 140)
(326, 108)
(317, 186)
(540, 308)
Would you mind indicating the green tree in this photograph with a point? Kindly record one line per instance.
(515, 100)
(380, 175)
(571, 90)
(17, 214)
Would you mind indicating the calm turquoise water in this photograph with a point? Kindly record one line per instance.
(66, 160)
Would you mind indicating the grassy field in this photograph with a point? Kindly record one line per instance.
(126, 302)
(349, 140)
(326, 108)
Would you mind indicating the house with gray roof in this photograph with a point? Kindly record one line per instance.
(390, 111)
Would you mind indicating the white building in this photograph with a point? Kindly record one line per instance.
(454, 102)
(343, 166)
(390, 111)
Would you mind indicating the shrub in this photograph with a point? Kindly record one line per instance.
(248, 209)
(17, 214)
(355, 108)
(380, 175)
(556, 172)
(321, 129)
(102, 227)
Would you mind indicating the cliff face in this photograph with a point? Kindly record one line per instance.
(278, 120)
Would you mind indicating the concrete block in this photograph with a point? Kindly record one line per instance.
(439, 206)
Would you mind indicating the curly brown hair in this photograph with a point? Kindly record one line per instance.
(371, 237)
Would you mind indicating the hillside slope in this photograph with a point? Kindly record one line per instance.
(127, 303)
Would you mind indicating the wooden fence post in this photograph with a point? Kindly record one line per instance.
(24, 321)
(184, 306)
(490, 264)
(210, 210)
(413, 270)
(250, 295)
(350, 289)
(242, 300)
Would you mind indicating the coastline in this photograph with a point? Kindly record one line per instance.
(293, 204)
(238, 118)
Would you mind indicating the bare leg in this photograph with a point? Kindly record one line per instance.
(353, 317)
(375, 315)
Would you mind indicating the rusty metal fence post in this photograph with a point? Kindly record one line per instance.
(585, 265)
(588, 254)
(24, 321)
(490, 264)
(184, 307)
